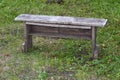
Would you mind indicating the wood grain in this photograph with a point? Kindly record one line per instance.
(62, 20)
(60, 32)
(58, 25)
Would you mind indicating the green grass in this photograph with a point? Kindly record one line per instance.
(61, 59)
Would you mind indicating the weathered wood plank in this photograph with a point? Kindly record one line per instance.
(94, 47)
(28, 38)
(75, 31)
(62, 20)
(87, 37)
(59, 30)
(42, 29)
(58, 25)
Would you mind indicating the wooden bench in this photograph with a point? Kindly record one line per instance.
(62, 27)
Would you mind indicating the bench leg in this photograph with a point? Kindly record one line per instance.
(28, 38)
(94, 46)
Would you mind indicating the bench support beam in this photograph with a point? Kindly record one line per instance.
(28, 38)
(94, 45)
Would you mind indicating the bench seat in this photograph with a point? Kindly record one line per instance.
(62, 20)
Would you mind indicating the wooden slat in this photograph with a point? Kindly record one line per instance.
(58, 25)
(42, 29)
(75, 31)
(59, 30)
(61, 20)
(62, 35)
